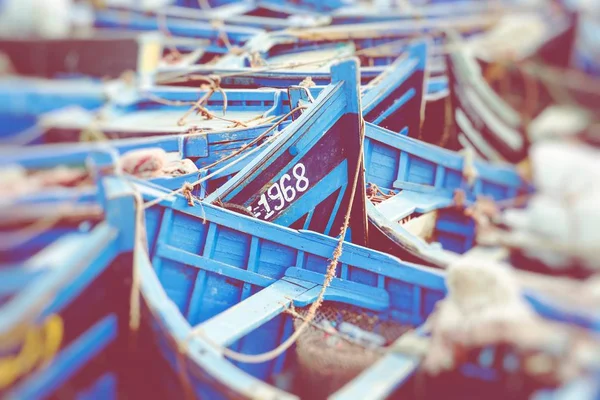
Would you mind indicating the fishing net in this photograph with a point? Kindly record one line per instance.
(341, 342)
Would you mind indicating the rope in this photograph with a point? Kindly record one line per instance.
(330, 274)
(222, 35)
(256, 139)
(206, 113)
(376, 195)
(187, 192)
(92, 134)
(229, 156)
(39, 346)
(448, 122)
(469, 171)
(139, 250)
(163, 27)
(273, 67)
(214, 83)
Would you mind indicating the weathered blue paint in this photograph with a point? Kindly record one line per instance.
(23, 100)
(425, 178)
(83, 278)
(204, 141)
(237, 35)
(324, 136)
(239, 252)
(227, 277)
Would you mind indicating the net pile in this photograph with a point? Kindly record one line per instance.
(341, 342)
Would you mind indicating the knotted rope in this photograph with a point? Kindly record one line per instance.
(376, 195)
(213, 84)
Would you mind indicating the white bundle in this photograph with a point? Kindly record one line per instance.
(484, 307)
(566, 207)
(15, 181)
(563, 168)
(45, 18)
(512, 37)
(60, 176)
(557, 121)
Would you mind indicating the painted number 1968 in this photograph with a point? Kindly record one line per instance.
(281, 193)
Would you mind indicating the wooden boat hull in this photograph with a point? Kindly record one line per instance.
(426, 179)
(235, 35)
(208, 267)
(23, 101)
(69, 309)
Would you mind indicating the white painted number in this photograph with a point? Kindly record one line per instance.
(301, 181)
(284, 191)
(276, 196)
(288, 191)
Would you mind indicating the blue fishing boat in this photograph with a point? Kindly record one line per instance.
(217, 299)
(273, 16)
(285, 69)
(496, 109)
(244, 14)
(405, 179)
(360, 13)
(419, 192)
(280, 59)
(65, 285)
(304, 176)
(220, 121)
(222, 38)
(292, 6)
(210, 151)
(412, 65)
(417, 195)
(395, 93)
(23, 101)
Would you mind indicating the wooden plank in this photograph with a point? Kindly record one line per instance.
(210, 265)
(241, 319)
(344, 290)
(405, 203)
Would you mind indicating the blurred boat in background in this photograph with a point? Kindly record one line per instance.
(299, 199)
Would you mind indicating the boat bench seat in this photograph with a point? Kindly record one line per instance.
(408, 202)
(300, 287)
(227, 327)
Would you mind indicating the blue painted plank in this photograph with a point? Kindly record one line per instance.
(406, 203)
(244, 317)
